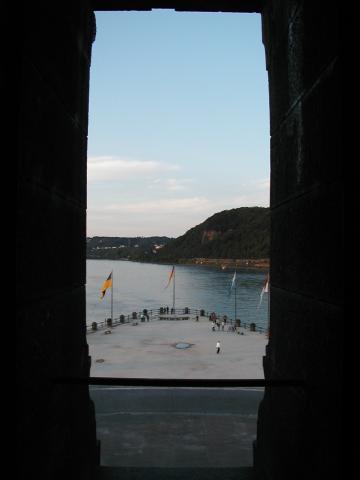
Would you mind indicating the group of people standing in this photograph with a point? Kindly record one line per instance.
(216, 322)
(167, 310)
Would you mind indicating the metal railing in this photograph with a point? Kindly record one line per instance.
(166, 313)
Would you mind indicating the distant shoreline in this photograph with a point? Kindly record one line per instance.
(221, 263)
(225, 263)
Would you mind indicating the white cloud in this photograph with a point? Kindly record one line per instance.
(110, 168)
(164, 205)
(172, 217)
(152, 214)
(254, 194)
(171, 184)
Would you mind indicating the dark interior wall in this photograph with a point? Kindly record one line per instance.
(299, 430)
(56, 426)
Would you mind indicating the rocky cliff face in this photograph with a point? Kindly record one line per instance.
(209, 236)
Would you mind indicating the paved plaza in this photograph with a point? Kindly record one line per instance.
(150, 350)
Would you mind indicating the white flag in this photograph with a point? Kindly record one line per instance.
(265, 289)
(232, 283)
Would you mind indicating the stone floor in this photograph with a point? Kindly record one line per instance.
(154, 473)
(176, 428)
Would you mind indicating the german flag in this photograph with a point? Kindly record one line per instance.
(107, 284)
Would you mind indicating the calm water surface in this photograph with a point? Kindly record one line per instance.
(142, 285)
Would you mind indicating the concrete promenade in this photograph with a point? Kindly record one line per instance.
(149, 350)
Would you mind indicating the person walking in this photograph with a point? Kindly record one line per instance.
(218, 347)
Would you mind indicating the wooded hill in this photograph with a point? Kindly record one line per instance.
(237, 234)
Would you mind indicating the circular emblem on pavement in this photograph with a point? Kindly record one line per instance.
(182, 345)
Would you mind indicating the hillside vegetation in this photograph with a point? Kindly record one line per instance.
(238, 233)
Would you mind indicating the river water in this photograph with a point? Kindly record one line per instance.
(142, 285)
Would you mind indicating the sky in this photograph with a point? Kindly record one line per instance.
(178, 121)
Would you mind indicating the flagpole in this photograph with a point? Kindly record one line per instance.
(112, 286)
(235, 297)
(174, 290)
(233, 284)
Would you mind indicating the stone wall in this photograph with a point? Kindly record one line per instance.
(299, 430)
(56, 426)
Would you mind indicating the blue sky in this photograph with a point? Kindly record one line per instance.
(178, 120)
